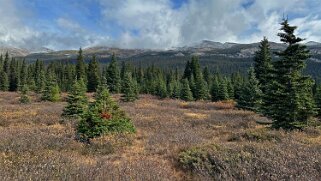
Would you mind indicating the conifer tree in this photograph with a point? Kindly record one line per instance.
(102, 117)
(51, 91)
(215, 88)
(1, 62)
(318, 99)
(93, 75)
(113, 76)
(76, 100)
(263, 64)
(161, 89)
(39, 75)
(13, 76)
(222, 90)
(237, 81)
(251, 96)
(24, 98)
(6, 64)
(176, 90)
(23, 74)
(4, 81)
(230, 90)
(207, 76)
(188, 71)
(200, 90)
(186, 93)
(291, 102)
(80, 66)
(130, 94)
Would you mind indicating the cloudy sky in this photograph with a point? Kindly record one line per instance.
(70, 24)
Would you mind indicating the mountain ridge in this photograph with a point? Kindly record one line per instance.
(203, 48)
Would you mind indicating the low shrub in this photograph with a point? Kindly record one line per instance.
(257, 135)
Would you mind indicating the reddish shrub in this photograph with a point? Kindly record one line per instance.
(105, 115)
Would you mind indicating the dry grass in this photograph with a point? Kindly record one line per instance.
(37, 144)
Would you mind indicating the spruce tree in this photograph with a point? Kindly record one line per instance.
(76, 100)
(186, 93)
(263, 64)
(222, 90)
(230, 90)
(200, 90)
(291, 102)
(113, 76)
(251, 94)
(24, 98)
(318, 99)
(23, 74)
(6, 64)
(13, 76)
(188, 71)
(176, 90)
(161, 89)
(4, 81)
(93, 75)
(51, 91)
(80, 66)
(215, 88)
(102, 117)
(237, 81)
(39, 76)
(130, 94)
(207, 76)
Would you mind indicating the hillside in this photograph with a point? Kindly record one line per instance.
(225, 57)
(183, 144)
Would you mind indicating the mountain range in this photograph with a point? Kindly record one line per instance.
(224, 57)
(201, 49)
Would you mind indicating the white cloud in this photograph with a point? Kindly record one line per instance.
(162, 27)
(155, 24)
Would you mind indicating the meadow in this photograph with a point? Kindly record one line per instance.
(175, 140)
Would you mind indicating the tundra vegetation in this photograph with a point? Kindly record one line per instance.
(93, 122)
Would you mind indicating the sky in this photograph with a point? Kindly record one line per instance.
(151, 24)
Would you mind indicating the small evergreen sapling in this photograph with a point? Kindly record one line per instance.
(186, 93)
(24, 98)
(102, 117)
(76, 100)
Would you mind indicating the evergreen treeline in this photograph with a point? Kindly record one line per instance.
(275, 88)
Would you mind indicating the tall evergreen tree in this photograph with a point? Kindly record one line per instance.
(130, 94)
(51, 91)
(113, 76)
(291, 102)
(93, 75)
(4, 81)
(223, 90)
(215, 88)
(230, 89)
(80, 66)
(186, 93)
(161, 89)
(176, 90)
(23, 74)
(13, 76)
(39, 76)
(263, 64)
(251, 94)
(200, 91)
(188, 71)
(76, 100)
(6, 64)
(318, 99)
